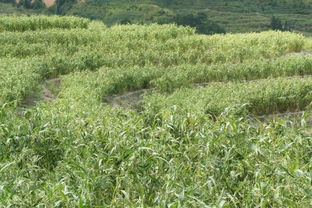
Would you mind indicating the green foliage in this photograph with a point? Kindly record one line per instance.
(8, 1)
(10, 23)
(25, 3)
(194, 141)
(186, 75)
(253, 16)
(37, 4)
(262, 97)
(200, 22)
(276, 24)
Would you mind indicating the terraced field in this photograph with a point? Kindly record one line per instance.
(152, 116)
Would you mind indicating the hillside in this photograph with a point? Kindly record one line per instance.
(10, 9)
(49, 3)
(232, 15)
(152, 116)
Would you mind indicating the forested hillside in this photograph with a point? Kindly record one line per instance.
(208, 16)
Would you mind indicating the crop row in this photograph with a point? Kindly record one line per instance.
(114, 80)
(25, 23)
(262, 97)
(62, 152)
(166, 46)
(187, 75)
(111, 81)
(17, 80)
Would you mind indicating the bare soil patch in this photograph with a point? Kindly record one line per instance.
(129, 100)
(301, 53)
(51, 89)
(301, 119)
(47, 93)
(291, 116)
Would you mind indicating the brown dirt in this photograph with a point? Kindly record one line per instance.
(292, 118)
(130, 100)
(301, 53)
(43, 96)
(47, 93)
(204, 84)
(288, 115)
(49, 3)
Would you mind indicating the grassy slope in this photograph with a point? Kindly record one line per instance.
(8, 9)
(239, 17)
(234, 16)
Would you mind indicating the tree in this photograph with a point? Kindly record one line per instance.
(125, 21)
(29, 4)
(8, 1)
(200, 22)
(37, 4)
(277, 24)
(25, 3)
(63, 5)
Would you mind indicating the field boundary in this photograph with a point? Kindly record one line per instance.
(132, 99)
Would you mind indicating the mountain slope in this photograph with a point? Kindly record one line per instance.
(232, 15)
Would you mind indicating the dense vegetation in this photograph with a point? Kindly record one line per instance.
(208, 16)
(196, 138)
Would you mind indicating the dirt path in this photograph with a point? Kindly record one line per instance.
(290, 116)
(301, 53)
(50, 89)
(129, 100)
(300, 119)
(46, 94)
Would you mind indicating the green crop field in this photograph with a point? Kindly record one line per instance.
(152, 116)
